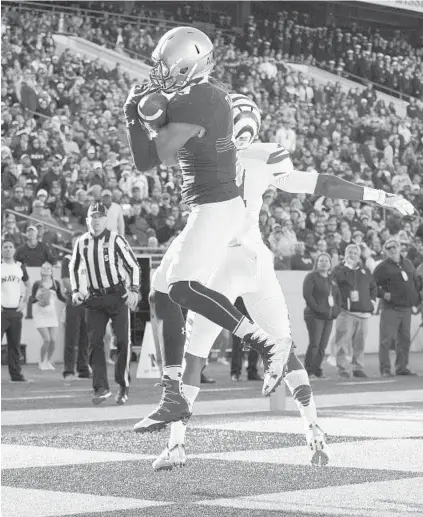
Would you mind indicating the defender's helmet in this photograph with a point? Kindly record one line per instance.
(247, 120)
(181, 55)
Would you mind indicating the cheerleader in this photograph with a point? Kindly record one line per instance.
(45, 292)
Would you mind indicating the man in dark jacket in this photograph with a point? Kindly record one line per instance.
(358, 293)
(399, 287)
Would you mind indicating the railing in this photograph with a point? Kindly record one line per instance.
(91, 13)
(35, 221)
(156, 254)
(377, 86)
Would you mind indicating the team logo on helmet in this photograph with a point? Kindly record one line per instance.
(182, 55)
(247, 120)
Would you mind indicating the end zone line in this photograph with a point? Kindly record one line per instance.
(203, 407)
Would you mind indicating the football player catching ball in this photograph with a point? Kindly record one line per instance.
(198, 135)
(248, 272)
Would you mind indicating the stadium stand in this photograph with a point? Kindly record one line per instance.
(64, 143)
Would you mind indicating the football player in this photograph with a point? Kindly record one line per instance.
(198, 136)
(248, 272)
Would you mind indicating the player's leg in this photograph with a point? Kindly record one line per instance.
(168, 326)
(201, 247)
(200, 336)
(267, 306)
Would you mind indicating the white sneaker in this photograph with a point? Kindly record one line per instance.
(222, 360)
(50, 366)
(275, 353)
(170, 458)
(316, 441)
(43, 366)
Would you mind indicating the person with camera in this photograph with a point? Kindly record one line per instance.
(358, 293)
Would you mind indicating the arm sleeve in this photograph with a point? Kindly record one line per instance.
(121, 223)
(308, 293)
(34, 291)
(379, 280)
(74, 265)
(65, 268)
(335, 187)
(59, 293)
(143, 150)
(25, 276)
(129, 260)
(373, 289)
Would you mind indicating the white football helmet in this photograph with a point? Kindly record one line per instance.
(247, 120)
(181, 55)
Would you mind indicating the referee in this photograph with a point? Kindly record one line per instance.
(107, 259)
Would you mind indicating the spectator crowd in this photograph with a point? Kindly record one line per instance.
(64, 143)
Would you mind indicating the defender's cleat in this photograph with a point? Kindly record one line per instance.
(122, 395)
(100, 396)
(172, 407)
(275, 354)
(316, 441)
(169, 458)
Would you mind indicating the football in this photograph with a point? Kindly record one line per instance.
(152, 109)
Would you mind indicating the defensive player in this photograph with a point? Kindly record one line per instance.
(249, 272)
(199, 136)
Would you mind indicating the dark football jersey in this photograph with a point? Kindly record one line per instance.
(208, 162)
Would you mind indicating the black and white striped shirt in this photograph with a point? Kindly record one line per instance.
(106, 258)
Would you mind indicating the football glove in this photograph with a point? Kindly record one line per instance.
(400, 204)
(136, 93)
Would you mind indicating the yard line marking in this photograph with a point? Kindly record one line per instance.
(399, 455)
(45, 397)
(25, 456)
(202, 407)
(355, 382)
(374, 499)
(17, 502)
(332, 425)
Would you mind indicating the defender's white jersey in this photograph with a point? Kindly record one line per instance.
(258, 167)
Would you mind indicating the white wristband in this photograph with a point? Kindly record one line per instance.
(371, 194)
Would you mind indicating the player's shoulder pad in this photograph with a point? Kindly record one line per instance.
(191, 105)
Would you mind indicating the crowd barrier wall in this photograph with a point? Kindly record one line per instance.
(323, 77)
(291, 283)
(135, 68)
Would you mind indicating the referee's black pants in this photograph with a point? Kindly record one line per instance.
(99, 310)
(11, 325)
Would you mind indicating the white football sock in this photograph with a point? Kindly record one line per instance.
(178, 429)
(299, 385)
(174, 372)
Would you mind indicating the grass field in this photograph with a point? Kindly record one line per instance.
(62, 457)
